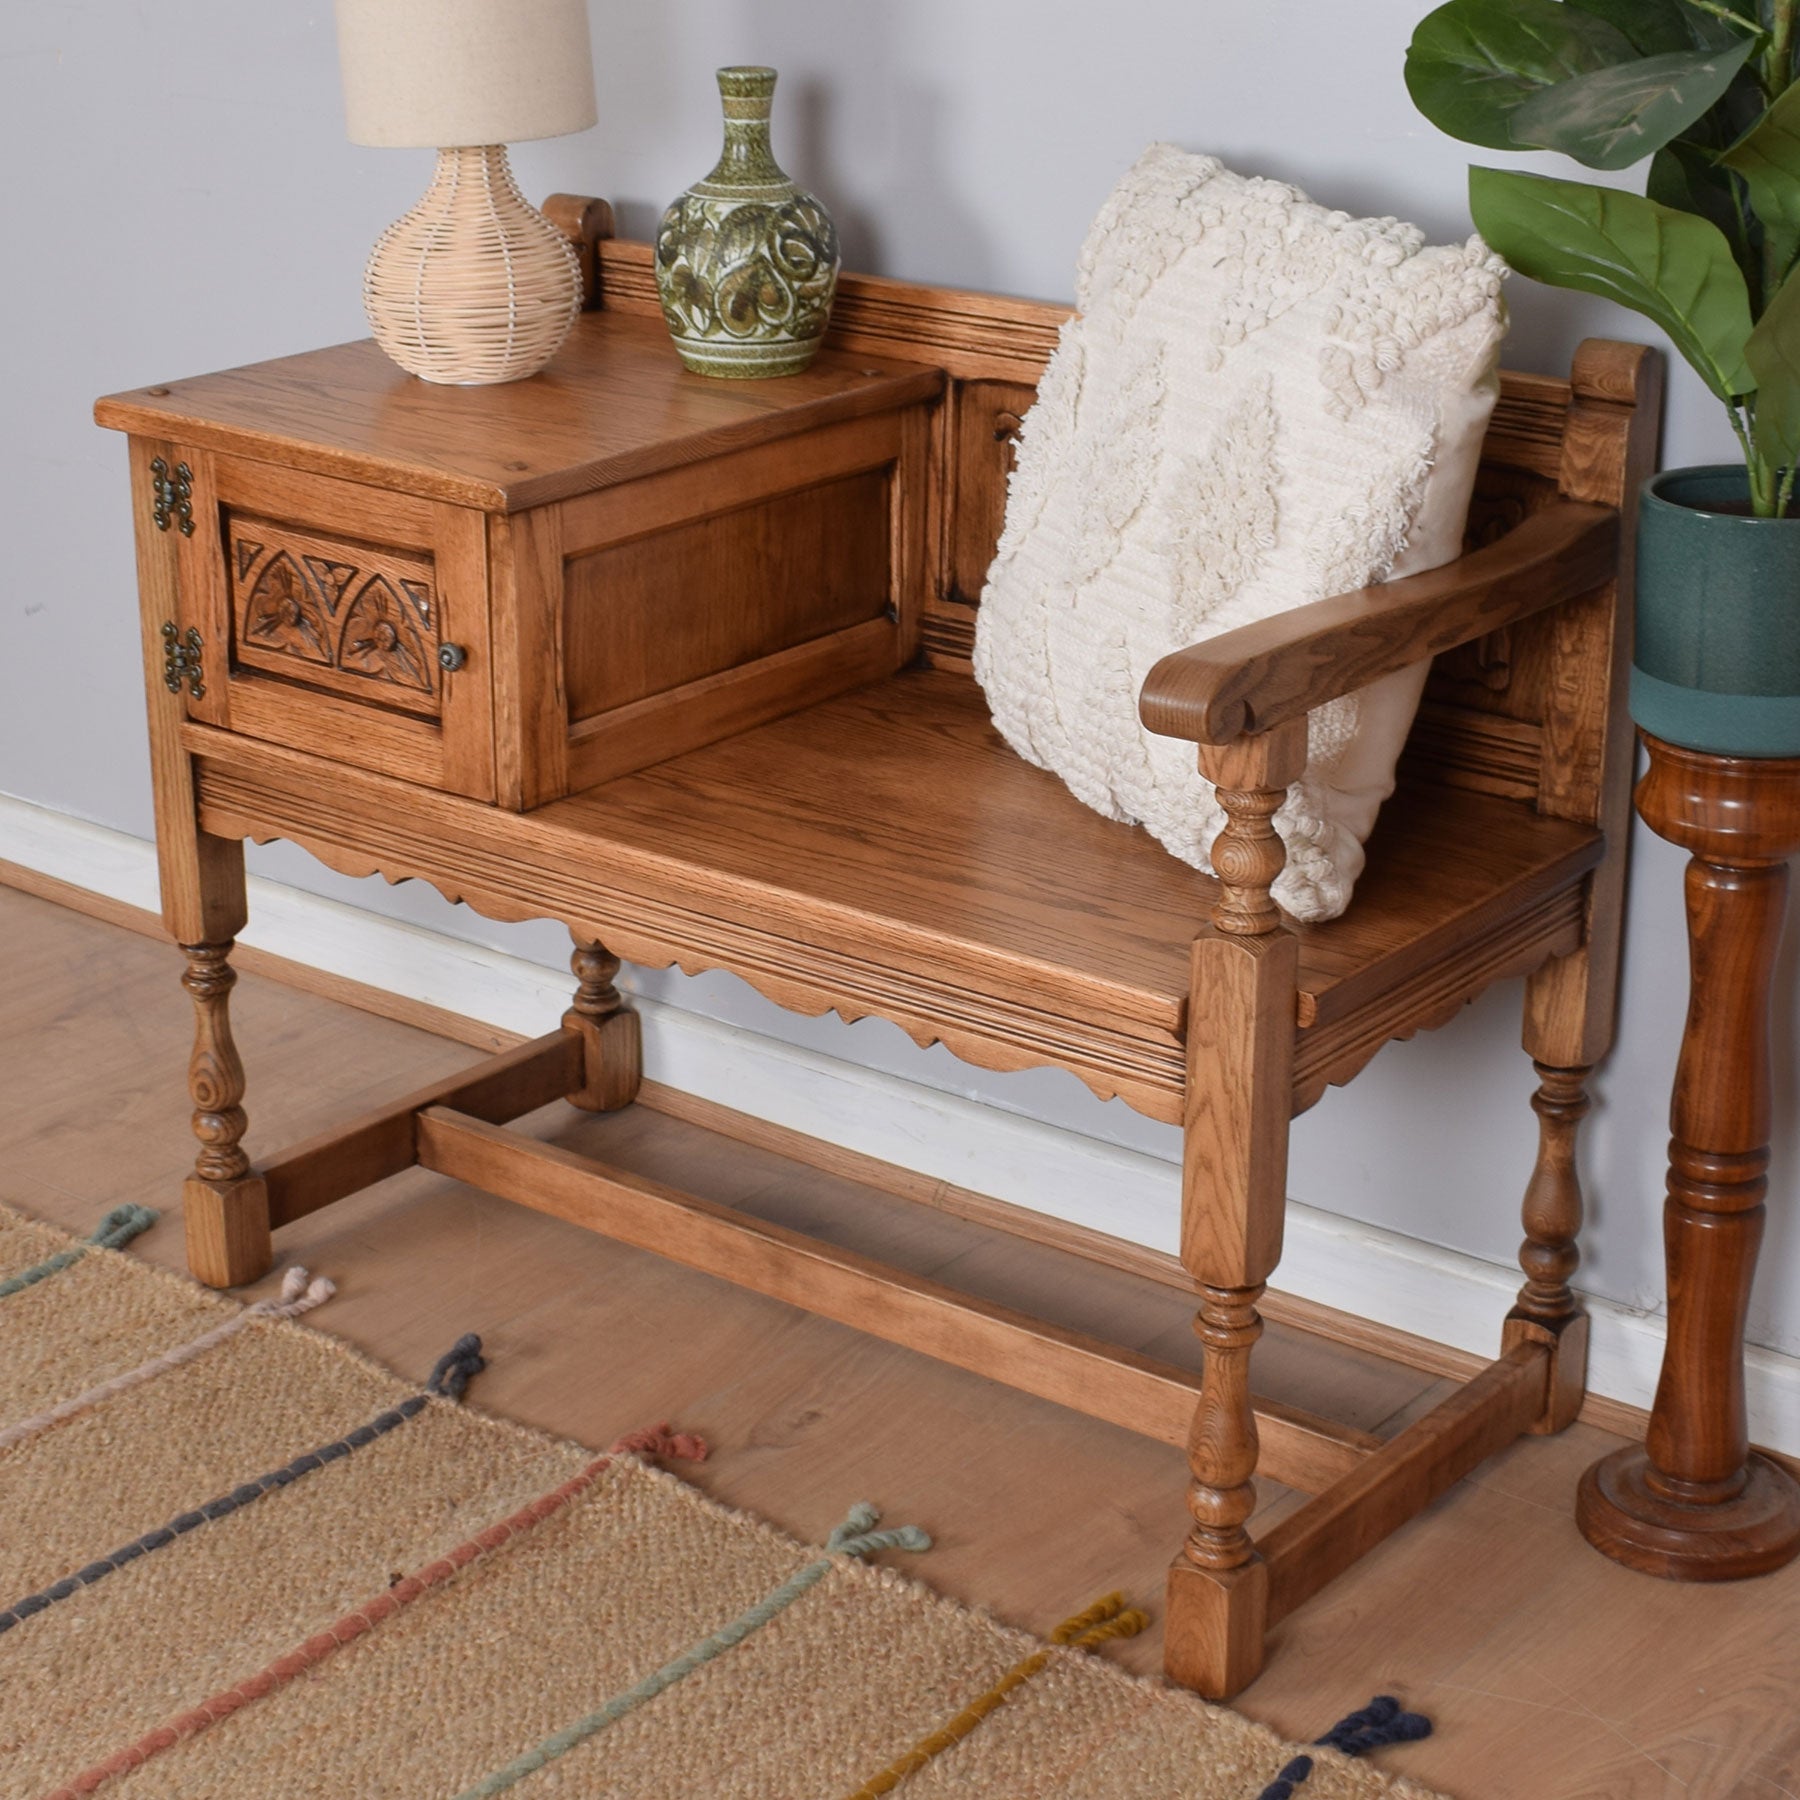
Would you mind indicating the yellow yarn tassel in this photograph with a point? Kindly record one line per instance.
(1104, 1620)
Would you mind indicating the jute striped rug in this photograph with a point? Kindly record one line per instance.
(240, 1560)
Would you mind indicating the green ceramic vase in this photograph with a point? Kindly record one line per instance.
(746, 261)
(1717, 664)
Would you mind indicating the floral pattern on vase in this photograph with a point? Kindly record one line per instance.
(746, 260)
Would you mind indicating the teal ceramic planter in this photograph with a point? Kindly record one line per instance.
(1717, 665)
(746, 260)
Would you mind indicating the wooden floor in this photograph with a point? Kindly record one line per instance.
(1550, 1673)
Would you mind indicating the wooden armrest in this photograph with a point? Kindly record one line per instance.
(1254, 678)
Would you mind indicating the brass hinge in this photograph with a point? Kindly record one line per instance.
(172, 496)
(181, 659)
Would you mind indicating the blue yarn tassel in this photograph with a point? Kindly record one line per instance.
(1379, 1723)
(457, 1367)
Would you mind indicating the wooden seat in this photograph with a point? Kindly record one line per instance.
(853, 835)
(895, 815)
(1014, 924)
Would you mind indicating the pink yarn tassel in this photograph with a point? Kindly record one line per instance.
(660, 1441)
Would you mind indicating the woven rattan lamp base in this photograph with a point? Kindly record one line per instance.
(474, 285)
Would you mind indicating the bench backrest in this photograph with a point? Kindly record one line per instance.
(1534, 711)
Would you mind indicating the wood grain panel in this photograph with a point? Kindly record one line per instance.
(730, 700)
(984, 431)
(1610, 451)
(614, 404)
(676, 605)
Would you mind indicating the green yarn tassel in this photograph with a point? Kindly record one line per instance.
(113, 1232)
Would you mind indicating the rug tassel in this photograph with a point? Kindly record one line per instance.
(855, 1537)
(1379, 1723)
(121, 1225)
(1106, 1619)
(456, 1368)
(299, 1294)
(659, 1441)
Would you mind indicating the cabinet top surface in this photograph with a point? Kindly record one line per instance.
(613, 405)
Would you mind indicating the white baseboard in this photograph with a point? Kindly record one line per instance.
(1380, 1275)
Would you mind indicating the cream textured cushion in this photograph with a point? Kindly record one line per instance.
(1260, 403)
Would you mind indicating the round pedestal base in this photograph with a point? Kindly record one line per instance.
(1624, 1519)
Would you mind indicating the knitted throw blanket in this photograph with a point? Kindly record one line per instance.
(1261, 403)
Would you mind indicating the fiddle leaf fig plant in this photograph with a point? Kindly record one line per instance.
(1704, 90)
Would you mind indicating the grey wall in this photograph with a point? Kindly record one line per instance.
(184, 199)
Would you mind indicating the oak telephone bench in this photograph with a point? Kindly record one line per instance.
(476, 637)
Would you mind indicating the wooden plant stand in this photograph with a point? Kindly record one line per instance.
(1695, 1503)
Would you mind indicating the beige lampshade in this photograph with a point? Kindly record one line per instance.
(435, 73)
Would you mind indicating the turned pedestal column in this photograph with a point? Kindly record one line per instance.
(1695, 1504)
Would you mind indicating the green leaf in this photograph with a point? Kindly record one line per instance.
(1768, 158)
(1661, 27)
(1670, 266)
(1685, 177)
(1473, 63)
(1773, 353)
(1613, 117)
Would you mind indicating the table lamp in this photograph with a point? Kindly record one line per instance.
(474, 285)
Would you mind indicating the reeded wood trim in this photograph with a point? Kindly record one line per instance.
(1526, 430)
(1333, 1052)
(1487, 753)
(1105, 1382)
(969, 335)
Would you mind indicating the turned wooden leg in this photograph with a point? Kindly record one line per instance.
(1234, 1193)
(203, 904)
(613, 1051)
(224, 1202)
(1694, 1504)
(1218, 1588)
(1547, 1311)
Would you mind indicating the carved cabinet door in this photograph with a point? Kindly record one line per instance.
(340, 619)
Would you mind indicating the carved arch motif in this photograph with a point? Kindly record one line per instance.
(361, 616)
(381, 637)
(285, 612)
